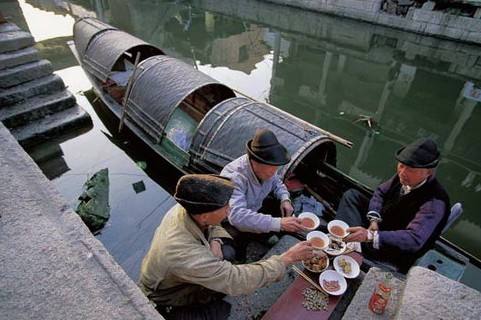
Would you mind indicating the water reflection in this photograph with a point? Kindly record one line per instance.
(335, 74)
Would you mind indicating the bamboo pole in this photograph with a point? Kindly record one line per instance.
(127, 92)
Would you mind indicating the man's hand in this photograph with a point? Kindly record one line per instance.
(373, 226)
(292, 224)
(286, 208)
(356, 234)
(216, 249)
(300, 251)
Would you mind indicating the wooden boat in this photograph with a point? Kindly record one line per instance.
(199, 125)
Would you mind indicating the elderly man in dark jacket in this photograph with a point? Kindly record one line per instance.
(406, 214)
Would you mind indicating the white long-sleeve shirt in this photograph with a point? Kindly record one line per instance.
(248, 195)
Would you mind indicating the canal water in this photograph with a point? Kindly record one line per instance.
(378, 87)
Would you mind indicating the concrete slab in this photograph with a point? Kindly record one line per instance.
(250, 306)
(51, 126)
(23, 73)
(15, 40)
(19, 57)
(358, 309)
(44, 85)
(429, 295)
(36, 108)
(52, 266)
(6, 27)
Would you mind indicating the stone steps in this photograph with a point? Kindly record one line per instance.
(34, 103)
(51, 126)
(15, 58)
(36, 108)
(23, 73)
(15, 40)
(44, 85)
(8, 27)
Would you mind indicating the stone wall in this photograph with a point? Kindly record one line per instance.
(423, 20)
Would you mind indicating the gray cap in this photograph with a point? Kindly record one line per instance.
(422, 153)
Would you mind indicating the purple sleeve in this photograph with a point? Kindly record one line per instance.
(418, 230)
(377, 200)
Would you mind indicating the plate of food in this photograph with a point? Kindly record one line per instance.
(335, 247)
(333, 282)
(309, 220)
(317, 264)
(346, 266)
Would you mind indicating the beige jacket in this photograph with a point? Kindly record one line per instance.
(179, 266)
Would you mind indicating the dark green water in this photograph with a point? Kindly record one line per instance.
(331, 72)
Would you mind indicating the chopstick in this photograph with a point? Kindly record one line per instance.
(306, 277)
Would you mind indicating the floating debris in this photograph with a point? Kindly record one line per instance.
(139, 186)
(315, 300)
(368, 120)
(141, 164)
(93, 206)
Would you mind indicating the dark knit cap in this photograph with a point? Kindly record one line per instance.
(201, 193)
(265, 148)
(422, 153)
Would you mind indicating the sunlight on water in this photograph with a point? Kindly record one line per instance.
(46, 25)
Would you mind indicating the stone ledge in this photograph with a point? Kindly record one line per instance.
(417, 20)
(358, 309)
(249, 306)
(52, 266)
(429, 295)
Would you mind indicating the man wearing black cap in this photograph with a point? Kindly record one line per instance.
(406, 214)
(255, 176)
(182, 275)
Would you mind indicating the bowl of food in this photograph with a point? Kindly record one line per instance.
(318, 263)
(346, 266)
(333, 282)
(336, 246)
(309, 220)
(338, 228)
(318, 239)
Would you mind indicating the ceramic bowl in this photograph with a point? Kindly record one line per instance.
(309, 264)
(338, 263)
(310, 216)
(315, 236)
(338, 224)
(332, 276)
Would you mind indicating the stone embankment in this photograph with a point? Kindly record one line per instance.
(424, 294)
(420, 20)
(34, 103)
(51, 265)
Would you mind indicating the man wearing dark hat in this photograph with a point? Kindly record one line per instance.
(406, 214)
(181, 273)
(255, 176)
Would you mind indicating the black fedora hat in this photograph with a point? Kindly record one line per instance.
(265, 148)
(201, 193)
(422, 153)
